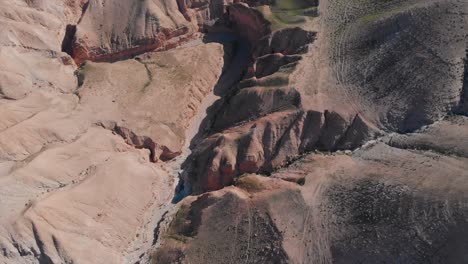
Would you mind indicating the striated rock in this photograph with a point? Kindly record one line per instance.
(334, 128)
(359, 208)
(313, 124)
(358, 133)
(265, 124)
(248, 22)
(270, 142)
(288, 41)
(255, 102)
(126, 29)
(246, 148)
(271, 63)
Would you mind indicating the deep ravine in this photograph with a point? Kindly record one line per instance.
(237, 59)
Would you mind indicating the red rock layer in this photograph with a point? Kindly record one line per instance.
(166, 39)
(157, 151)
(248, 22)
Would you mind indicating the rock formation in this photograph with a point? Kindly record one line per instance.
(384, 201)
(193, 131)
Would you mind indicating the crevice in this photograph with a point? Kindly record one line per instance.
(19, 248)
(43, 258)
(157, 230)
(291, 42)
(282, 139)
(68, 39)
(148, 73)
(84, 8)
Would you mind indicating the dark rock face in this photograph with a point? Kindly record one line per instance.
(67, 43)
(271, 63)
(263, 124)
(258, 128)
(252, 103)
(394, 55)
(288, 41)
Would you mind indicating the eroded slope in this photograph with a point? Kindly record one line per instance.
(372, 205)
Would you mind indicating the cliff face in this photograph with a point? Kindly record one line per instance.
(114, 30)
(111, 30)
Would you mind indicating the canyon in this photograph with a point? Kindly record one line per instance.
(212, 131)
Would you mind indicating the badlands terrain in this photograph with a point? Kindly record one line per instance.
(209, 131)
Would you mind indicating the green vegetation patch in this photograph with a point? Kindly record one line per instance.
(81, 73)
(287, 13)
(148, 72)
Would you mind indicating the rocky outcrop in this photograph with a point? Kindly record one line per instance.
(203, 12)
(264, 125)
(157, 152)
(165, 40)
(190, 224)
(109, 30)
(362, 206)
(271, 142)
(135, 27)
(247, 22)
(288, 41)
(271, 63)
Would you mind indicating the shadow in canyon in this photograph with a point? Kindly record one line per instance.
(237, 59)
